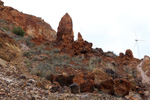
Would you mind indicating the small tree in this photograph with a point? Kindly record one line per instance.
(18, 31)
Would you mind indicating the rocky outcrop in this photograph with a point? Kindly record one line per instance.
(65, 30)
(129, 53)
(100, 76)
(118, 87)
(85, 82)
(81, 47)
(33, 26)
(80, 37)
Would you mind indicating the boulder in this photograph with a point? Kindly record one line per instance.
(1, 3)
(65, 30)
(63, 80)
(100, 76)
(129, 53)
(121, 87)
(118, 87)
(85, 81)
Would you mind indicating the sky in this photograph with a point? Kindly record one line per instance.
(112, 25)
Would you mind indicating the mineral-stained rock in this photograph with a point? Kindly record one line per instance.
(100, 76)
(33, 26)
(81, 47)
(85, 81)
(121, 55)
(129, 53)
(65, 30)
(121, 87)
(45, 84)
(118, 87)
(74, 88)
(80, 37)
(107, 86)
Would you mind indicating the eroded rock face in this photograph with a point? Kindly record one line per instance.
(33, 26)
(1, 3)
(80, 37)
(100, 76)
(81, 47)
(65, 30)
(118, 87)
(85, 81)
(129, 53)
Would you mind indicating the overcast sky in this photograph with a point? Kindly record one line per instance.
(108, 24)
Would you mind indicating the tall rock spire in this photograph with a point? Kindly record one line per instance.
(65, 29)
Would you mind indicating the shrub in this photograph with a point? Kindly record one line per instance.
(18, 31)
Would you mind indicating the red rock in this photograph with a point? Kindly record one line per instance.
(118, 87)
(107, 86)
(80, 37)
(55, 87)
(33, 26)
(121, 55)
(129, 53)
(81, 47)
(65, 30)
(85, 81)
(63, 80)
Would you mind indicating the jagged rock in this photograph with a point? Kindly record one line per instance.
(121, 87)
(80, 37)
(74, 88)
(81, 47)
(85, 81)
(118, 87)
(100, 76)
(65, 31)
(129, 53)
(33, 26)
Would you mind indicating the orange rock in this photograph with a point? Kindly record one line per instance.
(80, 37)
(118, 87)
(33, 26)
(85, 81)
(65, 30)
(129, 53)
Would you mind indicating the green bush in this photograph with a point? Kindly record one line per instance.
(18, 31)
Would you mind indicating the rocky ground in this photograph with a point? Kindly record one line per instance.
(44, 65)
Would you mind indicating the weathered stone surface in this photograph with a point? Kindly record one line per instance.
(81, 47)
(1, 3)
(85, 81)
(129, 53)
(33, 26)
(100, 76)
(118, 87)
(80, 37)
(44, 84)
(65, 30)
(121, 87)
